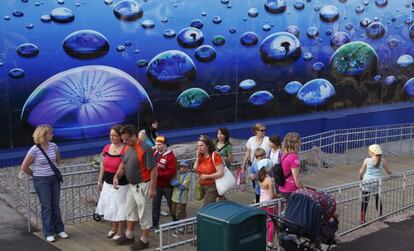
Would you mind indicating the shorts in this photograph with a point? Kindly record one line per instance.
(138, 205)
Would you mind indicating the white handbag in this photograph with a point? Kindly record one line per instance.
(226, 182)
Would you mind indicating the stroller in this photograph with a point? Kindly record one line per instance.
(309, 221)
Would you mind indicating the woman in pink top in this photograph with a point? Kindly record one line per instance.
(290, 164)
(267, 193)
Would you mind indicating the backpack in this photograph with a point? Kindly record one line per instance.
(280, 178)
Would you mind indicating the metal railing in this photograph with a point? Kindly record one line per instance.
(395, 193)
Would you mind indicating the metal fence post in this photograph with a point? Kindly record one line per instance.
(29, 227)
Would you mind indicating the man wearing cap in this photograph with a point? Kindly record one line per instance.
(166, 167)
(138, 164)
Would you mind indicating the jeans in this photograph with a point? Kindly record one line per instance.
(48, 191)
(156, 203)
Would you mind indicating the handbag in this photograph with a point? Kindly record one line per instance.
(224, 183)
(241, 178)
(53, 166)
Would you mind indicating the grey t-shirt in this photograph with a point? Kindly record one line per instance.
(132, 167)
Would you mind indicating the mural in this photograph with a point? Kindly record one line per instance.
(83, 65)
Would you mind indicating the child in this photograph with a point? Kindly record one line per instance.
(267, 193)
(260, 155)
(180, 193)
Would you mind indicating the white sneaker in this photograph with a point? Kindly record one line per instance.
(163, 213)
(50, 238)
(63, 235)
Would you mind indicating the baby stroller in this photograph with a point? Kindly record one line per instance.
(309, 221)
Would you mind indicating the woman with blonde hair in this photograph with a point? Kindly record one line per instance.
(290, 164)
(43, 158)
(372, 168)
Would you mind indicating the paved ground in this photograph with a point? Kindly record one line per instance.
(14, 235)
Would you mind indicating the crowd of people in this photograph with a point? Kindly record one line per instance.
(138, 170)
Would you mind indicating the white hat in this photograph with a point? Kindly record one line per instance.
(266, 163)
(375, 149)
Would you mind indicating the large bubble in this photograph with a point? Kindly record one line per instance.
(353, 59)
(275, 6)
(249, 38)
(247, 84)
(316, 92)
(128, 10)
(27, 50)
(329, 13)
(84, 102)
(375, 30)
(409, 87)
(190, 37)
(205, 53)
(280, 47)
(340, 38)
(193, 98)
(405, 60)
(293, 87)
(260, 98)
(62, 15)
(294, 30)
(171, 70)
(85, 44)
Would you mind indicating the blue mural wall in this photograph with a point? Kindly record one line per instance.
(84, 65)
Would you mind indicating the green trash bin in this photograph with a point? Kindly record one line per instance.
(229, 226)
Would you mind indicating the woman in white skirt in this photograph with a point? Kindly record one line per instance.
(112, 201)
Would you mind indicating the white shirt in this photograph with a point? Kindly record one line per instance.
(253, 144)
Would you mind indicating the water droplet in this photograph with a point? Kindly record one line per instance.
(275, 6)
(136, 51)
(339, 38)
(193, 98)
(224, 1)
(86, 44)
(218, 40)
(148, 24)
(203, 14)
(293, 87)
(307, 56)
(142, 63)
(169, 33)
(62, 15)
(171, 69)
(18, 13)
(299, 5)
(377, 77)
(260, 98)
(232, 30)
(108, 2)
(225, 89)
(294, 30)
(128, 43)
(46, 18)
(217, 20)
(17, 73)
(411, 31)
(316, 92)
(197, 23)
(393, 42)
(405, 60)
(247, 84)
(365, 22)
(280, 48)
(359, 9)
(25, 1)
(389, 80)
(120, 48)
(409, 87)
(329, 13)
(190, 37)
(267, 27)
(61, 1)
(7, 18)
(27, 50)
(349, 26)
(128, 10)
(409, 20)
(381, 3)
(164, 20)
(253, 12)
(317, 8)
(312, 32)
(375, 30)
(318, 66)
(328, 32)
(249, 39)
(29, 26)
(205, 53)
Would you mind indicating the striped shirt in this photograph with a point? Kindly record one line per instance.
(40, 166)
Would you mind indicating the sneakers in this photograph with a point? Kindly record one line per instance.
(110, 234)
(123, 240)
(50, 238)
(139, 245)
(177, 231)
(63, 235)
(153, 228)
(163, 213)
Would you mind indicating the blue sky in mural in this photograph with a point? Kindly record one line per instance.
(207, 56)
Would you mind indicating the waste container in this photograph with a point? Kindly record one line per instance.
(230, 226)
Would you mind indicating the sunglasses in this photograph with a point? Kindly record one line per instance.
(262, 130)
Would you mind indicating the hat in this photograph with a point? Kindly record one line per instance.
(264, 163)
(183, 162)
(161, 139)
(375, 149)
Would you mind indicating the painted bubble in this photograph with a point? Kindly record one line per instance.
(29, 26)
(46, 18)
(375, 30)
(83, 102)
(190, 37)
(253, 12)
(318, 66)
(85, 44)
(280, 47)
(128, 10)
(340, 38)
(62, 15)
(17, 73)
(409, 87)
(218, 40)
(359, 9)
(247, 84)
(171, 69)
(393, 42)
(266, 27)
(411, 31)
(217, 87)
(7, 18)
(225, 88)
(193, 98)
(377, 77)
(120, 48)
(316, 92)
(328, 32)
(353, 59)
(169, 33)
(128, 43)
(293, 87)
(142, 63)
(217, 19)
(249, 38)
(61, 1)
(164, 20)
(381, 3)
(148, 24)
(329, 13)
(260, 98)
(197, 23)
(205, 53)
(299, 5)
(312, 32)
(307, 56)
(389, 80)
(27, 50)
(405, 60)
(108, 2)
(365, 22)
(294, 30)
(349, 26)
(409, 20)
(224, 1)
(18, 13)
(275, 6)
(232, 30)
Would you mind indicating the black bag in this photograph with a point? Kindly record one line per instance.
(53, 166)
(280, 178)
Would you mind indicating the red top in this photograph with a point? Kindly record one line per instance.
(111, 162)
(166, 167)
(206, 166)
